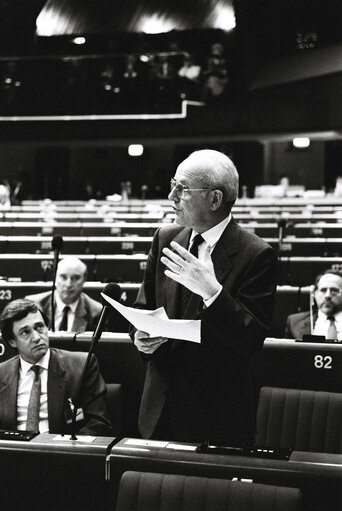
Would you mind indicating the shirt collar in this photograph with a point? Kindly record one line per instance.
(60, 305)
(43, 362)
(211, 236)
(337, 316)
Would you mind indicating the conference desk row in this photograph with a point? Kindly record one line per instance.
(57, 474)
(281, 363)
(289, 299)
(264, 230)
(295, 271)
(289, 246)
(158, 216)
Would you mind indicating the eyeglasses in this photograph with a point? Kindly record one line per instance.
(182, 189)
(334, 291)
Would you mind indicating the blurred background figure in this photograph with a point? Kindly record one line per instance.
(189, 76)
(5, 201)
(215, 74)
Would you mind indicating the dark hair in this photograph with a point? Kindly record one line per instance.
(14, 311)
(333, 272)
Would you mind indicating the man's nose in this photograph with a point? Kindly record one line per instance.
(172, 195)
(35, 336)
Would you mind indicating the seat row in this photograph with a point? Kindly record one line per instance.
(289, 246)
(294, 271)
(135, 228)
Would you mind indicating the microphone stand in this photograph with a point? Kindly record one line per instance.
(312, 290)
(114, 291)
(95, 338)
(53, 301)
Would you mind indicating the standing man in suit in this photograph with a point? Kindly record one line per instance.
(75, 311)
(57, 373)
(325, 316)
(199, 392)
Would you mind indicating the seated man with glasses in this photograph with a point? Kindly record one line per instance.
(325, 314)
(206, 267)
(40, 385)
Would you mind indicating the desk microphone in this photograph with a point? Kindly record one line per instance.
(56, 244)
(112, 290)
(282, 223)
(312, 304)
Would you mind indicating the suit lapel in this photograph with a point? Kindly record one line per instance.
(56, 392)
(8, 395)
(80, 321)
(227, 246)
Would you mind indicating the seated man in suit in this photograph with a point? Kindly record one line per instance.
(75, 311)
(39, 387)
(325, 317)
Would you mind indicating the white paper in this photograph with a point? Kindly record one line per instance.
(157, 324)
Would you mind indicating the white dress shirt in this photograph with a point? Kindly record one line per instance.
(59, 313)
(322, 324)
(26, 377)
(211, 238)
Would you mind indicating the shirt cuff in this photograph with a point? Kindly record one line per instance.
(211, 300)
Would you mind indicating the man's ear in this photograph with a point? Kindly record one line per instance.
(216, 199)
(12, 343)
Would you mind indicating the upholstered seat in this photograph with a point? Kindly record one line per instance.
(146, 491)
(304, 420)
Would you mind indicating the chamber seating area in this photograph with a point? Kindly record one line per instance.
(301, 391)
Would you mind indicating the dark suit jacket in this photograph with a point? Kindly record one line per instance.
(64, 375)
(86, 315)
(210, 386)
(298, 325)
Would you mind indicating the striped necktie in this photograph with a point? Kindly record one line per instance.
(33, 409)
(185, 292)
(332, 331)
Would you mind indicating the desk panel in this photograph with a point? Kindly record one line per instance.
(319, 480)
(301, 365)
(44, 474)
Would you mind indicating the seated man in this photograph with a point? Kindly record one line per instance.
(325, 317)
(39, 387)
(74, 310)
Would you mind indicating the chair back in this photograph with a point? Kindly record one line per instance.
(146, 491)
(304, 420)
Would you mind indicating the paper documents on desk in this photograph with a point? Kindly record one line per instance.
(157, 324)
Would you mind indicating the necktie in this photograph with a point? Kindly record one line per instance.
(332, 332)
(185, 292)
(64, 323)
(33, 409)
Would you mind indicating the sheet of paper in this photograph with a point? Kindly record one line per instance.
(157, 324)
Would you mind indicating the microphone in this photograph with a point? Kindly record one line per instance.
(112, 290)
(312, 304)
(56, 244)
(282, 222)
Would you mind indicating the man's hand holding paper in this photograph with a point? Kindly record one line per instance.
(147, 344)
(157, 324)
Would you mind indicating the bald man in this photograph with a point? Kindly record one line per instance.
(74, 310)
(227, 279)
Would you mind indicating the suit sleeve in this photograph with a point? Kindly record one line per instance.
(288, 331)
(93, 394)
(240, 318)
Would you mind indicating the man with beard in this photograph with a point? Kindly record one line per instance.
(327, 314)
